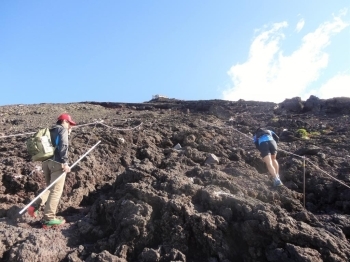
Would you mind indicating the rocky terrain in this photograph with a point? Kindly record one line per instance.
(179, 180)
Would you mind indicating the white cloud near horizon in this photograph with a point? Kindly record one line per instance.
(300, 25)
(269, 75)
(337, 86)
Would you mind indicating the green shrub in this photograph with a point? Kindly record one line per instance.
(315, 133)
(302, 133)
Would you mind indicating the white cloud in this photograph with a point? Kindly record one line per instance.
(268, 75)
(300, 25)
(337, 86)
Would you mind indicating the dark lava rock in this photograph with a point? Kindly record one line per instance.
(137, 198)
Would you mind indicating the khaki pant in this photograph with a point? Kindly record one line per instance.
(51, 197)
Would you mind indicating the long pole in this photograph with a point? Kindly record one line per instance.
(76, 162)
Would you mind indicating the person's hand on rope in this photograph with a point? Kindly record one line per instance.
(66, 168)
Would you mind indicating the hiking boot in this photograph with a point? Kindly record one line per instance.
(54, 222)
(33, 211)
(277, 182)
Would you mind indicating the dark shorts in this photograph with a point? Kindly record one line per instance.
(268, 147)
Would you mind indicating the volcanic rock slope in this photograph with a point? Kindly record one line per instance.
(137, 198)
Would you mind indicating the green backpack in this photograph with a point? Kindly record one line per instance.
(39, 146)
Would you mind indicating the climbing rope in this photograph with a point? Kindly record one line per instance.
(122, 129)
(22, 134)
(100, 122)
(95, 123)
(230, 127)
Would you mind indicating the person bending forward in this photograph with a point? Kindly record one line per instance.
(264, 141)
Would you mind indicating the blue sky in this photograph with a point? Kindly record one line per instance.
(127, 51)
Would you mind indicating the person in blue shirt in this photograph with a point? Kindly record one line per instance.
(266, 142)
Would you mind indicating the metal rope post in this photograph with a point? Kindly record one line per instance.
(76, 162)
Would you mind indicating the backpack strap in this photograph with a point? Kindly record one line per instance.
(57, 140)
(261, 131)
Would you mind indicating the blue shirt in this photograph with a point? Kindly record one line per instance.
(263, 138)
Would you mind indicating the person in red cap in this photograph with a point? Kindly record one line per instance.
(53, 168)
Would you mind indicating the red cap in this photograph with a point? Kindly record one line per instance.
(67, 118)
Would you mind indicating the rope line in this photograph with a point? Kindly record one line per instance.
(88, 124)
(30, 133)
(78, 126)
(121, 129)
(230, 127)
(339, 181)
(207, 123)
(95, 123)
